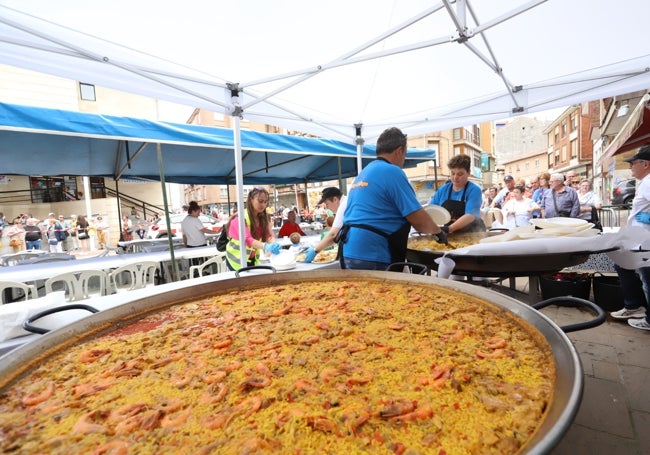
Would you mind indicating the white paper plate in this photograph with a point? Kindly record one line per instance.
(439, 214)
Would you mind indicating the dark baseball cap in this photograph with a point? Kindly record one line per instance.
(643, 154)
(328, 193)
(508, 178)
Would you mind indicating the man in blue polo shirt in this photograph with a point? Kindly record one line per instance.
(381, 209)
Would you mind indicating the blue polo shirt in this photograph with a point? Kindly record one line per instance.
(382, 197)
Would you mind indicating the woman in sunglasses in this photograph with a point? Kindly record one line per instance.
(258, 232)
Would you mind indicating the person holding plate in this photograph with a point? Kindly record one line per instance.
(461, 198)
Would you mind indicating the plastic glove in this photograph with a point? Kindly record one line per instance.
(643, 217)
(310, 254)
(273, 248)
(442, 237)
(445, 229)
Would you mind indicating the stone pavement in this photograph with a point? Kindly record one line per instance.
(614, 415)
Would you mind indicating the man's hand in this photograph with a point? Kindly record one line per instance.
(445, 229)
(643, 217)
(441, 237)
(310, 254)
(273, 248)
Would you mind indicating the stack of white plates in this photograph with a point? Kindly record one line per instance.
(286, 260)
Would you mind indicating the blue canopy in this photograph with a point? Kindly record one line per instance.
(40, 141)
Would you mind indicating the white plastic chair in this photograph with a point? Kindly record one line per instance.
(78, 285)
(216, 264)
(133, 276)
(13, 259)
(15, 291)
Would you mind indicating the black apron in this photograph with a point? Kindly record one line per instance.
(397, 241)
(457, 209)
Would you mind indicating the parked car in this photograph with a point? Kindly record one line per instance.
(624, 192)
(159, 228)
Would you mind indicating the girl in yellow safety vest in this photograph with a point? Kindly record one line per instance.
(258, 232)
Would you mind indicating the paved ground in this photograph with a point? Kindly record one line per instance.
(614, 415)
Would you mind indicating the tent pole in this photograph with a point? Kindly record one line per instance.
(239, 172)
(170, 242)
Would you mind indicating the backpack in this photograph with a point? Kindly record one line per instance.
(59, 233)
(222, 241)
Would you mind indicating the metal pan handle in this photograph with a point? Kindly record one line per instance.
(570, 301)
(255, 267)
(27, 325)
(414, 267)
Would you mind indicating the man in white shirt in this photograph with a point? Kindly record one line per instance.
(335, 201)
(193, 230)
(636, 283)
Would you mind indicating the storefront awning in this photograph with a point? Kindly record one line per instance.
(634, 133)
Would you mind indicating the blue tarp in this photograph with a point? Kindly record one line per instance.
(40, 141)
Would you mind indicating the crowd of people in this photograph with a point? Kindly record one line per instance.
(543, 196)
(56, 233)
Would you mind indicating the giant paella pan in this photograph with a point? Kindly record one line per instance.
(327, 361)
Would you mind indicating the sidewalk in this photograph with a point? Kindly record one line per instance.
(614, 415)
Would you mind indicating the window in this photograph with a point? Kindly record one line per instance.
(87, 92)
(574, 122)
(574, 149)
(223, 192)
(536, 163)
(564, 157)
(457, 134)
(563, 128)
(527, 165)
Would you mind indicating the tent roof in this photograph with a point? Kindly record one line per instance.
(57, 142)
(321, 68)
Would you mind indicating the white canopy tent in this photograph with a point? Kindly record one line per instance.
(339, 69)
(328, 68)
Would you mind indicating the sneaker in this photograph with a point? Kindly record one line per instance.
(627, 314)
(639, 324)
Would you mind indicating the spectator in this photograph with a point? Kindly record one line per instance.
(381, 209)
(82, 233)
(193, 230)
(127, 229)
(501, 198)
(55, 235)
(16, 235)
(589, 201)
(67, 244)
(519, 209)
(570, 177)
(76, 245)
(635, 284)
(102, 232)
(290, 226)
(560, 200)
(33, 234)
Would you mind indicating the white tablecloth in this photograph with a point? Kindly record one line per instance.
(35, 272)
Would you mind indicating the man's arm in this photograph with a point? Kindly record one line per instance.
(328, 240)
(423, 223)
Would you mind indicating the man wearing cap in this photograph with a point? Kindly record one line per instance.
(335, 201)
(635, 284)
(501, 198)
(381, 209)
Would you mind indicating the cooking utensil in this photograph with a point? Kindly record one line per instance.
(568, 384)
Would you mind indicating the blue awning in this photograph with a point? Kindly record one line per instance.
(40, 141)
